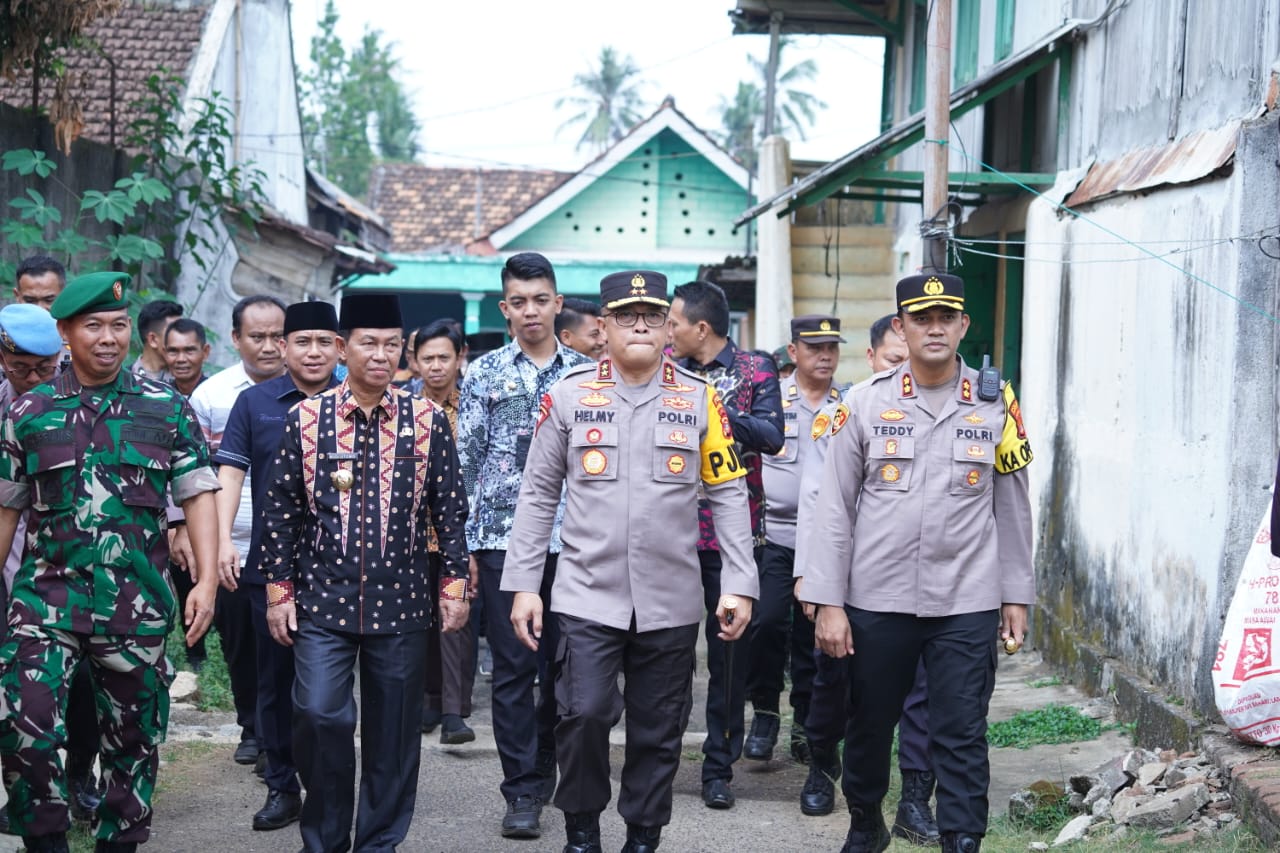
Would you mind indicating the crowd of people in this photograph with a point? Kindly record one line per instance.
(347, 499)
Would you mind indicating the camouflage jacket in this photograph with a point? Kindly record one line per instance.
(93, 464)
(354, 551)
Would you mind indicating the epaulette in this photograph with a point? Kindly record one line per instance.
(675, 377)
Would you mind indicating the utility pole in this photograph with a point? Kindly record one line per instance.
(937, 126)
(771, 73)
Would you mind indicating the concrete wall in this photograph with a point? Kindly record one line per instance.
(1149, 399)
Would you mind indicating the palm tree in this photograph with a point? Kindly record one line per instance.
(742, 119)
(611, 105)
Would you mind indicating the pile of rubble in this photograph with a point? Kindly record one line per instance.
(1182, 797)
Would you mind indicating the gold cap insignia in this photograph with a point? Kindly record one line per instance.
(934, 287)
(825, 326)
(637, 285)
(117, 290)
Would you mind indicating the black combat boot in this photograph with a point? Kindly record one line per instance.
(53, 843)
(961, 842)
(582, 831)
(818, 797)
(867, 832)
(915, 819)
(762, 737)
(82, 788)
(642, 839)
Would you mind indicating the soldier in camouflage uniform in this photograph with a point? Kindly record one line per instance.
(92, 453)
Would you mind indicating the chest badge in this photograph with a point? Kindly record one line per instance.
(820, 424)
(891, 447)
(892, 415)
(890, 473)
(678, 437)
(594, 462)
(343, 479)
(594, 435)
(839, 418)
(975, 418)
(675, 464)
(678, 403)
(595, 400)
(975, 451)
(973, 477)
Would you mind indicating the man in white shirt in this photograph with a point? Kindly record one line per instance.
(257, 330)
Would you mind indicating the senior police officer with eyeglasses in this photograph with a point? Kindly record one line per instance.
(922, 549)
(634, 438)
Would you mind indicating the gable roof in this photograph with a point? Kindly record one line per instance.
(109, 74)
(666, 117)
(431, 209)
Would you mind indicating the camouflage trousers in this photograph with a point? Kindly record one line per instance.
(131, 678)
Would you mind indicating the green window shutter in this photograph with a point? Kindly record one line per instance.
(1005, 14)
(968, 14)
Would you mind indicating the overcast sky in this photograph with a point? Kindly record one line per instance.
(485, 76)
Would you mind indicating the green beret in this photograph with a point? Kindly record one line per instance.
(99, 291)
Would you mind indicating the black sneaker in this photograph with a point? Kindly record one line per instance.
(454, 731)
(521, 819)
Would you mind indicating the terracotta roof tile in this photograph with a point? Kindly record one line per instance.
(141, 40)
(432, 209)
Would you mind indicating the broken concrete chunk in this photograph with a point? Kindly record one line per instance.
(1075, 830)
(183, 687)
(1171, 808)
(1123, 807)
(1151, 773)
(1110, 773)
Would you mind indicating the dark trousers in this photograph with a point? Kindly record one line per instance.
(657, 667)
(521, 726)
(960, 654)
(182, 585)
(392, 670)
(451, 663)
(779, 630)
(723, 714)
(234, 620)
(275, 698)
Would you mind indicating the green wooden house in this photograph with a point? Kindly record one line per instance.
(664, 197)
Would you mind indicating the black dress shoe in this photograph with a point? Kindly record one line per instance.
(430, 719)
(454, 731)
(521, 819)
(83, 799)
(716, 794)
(282, 808)
(763, 736)
(246, 752)
(642, 839)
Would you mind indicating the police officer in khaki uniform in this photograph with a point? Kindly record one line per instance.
(922, 548)
(779, 622)
(634, 438)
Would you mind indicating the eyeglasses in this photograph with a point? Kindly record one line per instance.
(652, 319)
(21, 371)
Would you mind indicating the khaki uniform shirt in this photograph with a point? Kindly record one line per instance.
(921, 512)
(633, 460)
(783, 470)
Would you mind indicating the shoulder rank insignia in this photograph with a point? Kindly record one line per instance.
(820, 424)
(786, 404)
(668, 373)
(604, 370)
(966, 390)
(908, 387)
(679, 403)
(793, 391)
(595, 400)
(839, 419)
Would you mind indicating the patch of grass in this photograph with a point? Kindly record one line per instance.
(215, 683)
(1005, 837)
(1050, 724)
(1047, 681)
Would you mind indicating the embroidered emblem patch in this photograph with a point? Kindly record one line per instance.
(891, 447)
(975, 451)
(975, 418)
(892, 415)
(594, 462)
(596, 384)
(973, 477)
(725, 429)
(544, 410)
(678, 387)
(117, 290)
(820, 424)
(678, 437)
(966, 390)
(933, 287)
(595, 400)
(908, 387)
(890, 473)
(594, 435)
(1015, 412)
(668, 373)
(679, 403)
(839, 419)
(675, 464)
(604, 371)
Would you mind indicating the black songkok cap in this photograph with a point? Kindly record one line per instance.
(370, 311)
(310, 316)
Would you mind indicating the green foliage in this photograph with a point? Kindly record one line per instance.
(1047, 681)
(611, 104)
(343, 96)
(162, 215)
(214, 684)
(1050, 724)
(742, 118)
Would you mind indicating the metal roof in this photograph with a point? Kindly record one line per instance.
(817, 17)
(1189, 159)
(838, 174)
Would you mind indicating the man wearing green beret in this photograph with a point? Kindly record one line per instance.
(91, 454)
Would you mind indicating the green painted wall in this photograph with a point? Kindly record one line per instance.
(664, 196)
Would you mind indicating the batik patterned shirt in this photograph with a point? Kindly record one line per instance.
(94, 464)
(497, 414)
(357, 558)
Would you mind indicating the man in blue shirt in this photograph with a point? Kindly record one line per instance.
(250, 442)
(497, 413)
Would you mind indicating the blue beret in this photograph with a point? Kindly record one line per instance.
(29, 330)
(98, 291)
